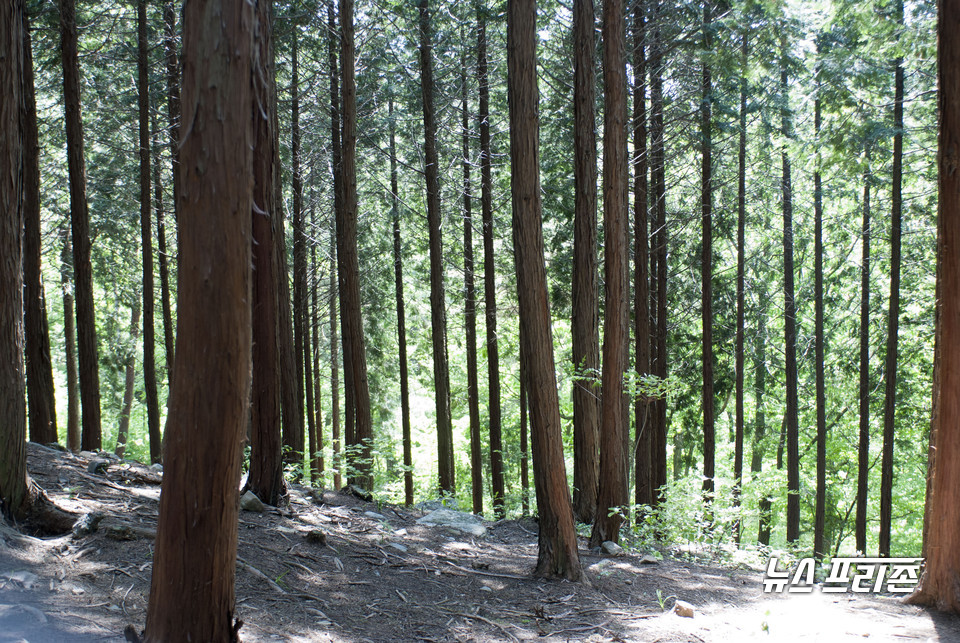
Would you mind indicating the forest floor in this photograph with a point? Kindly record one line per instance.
(376, 574)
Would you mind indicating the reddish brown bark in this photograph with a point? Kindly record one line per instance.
(706, 261)
(336, 269)
(586, 314)
(192, 587)
(557, 554)
(70, 343)
(130, 372)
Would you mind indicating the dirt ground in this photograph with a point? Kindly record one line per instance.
(378, 575)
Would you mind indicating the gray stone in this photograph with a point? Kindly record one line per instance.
(156, 467)
(400, 548)
(684, 609)
(611, 548)
(463, 522)
(99, 465)
(374, 515)
(250, 502)
(25, 579)
(433, 505)
(649, 559)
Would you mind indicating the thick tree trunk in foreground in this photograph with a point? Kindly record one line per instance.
(586, 314)
(266, 454)
(192, 587)
(558, 556)
(42, 402)
(80, 221)
(893, 319)
(347, 252)
(401, 316)
(940, 584)
(612, 494)
(146, 239)
(438, 317)
(489, 270)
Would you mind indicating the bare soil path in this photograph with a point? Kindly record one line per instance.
(331, 567)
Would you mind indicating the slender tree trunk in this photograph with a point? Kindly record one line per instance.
(192, 588)
(893, 319)
(130, 372)
(706, 261)
(315, 346)
(760, 423)
(612, 494)
(146, 239)
(336, 268)
(741, 290)
(470, 303)
(863, 451)
(586, 314)
(938, 586)
(659, 307)
(789, 318)
(558, 556)
(80, 221)
(172, 62)
(164, 268)
(643, 444)
(489, 270)
(524, 443)
(266, 453)
(347, 252)
(819, 522)
(70, 343)
(301, 340)
(438, 319)
(401, 315)
(42, 404)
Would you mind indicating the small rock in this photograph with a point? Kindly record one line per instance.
(286, 530)
(24, 579)
(684, 609)
(484, 588)
(87, 524)
(99, 465)
(467, 523)
(156, 466)
(374, 515)
(120, 532)
(649, 559)
(400, 548)
(250, 502)
(611, 548)
(356, 491)
(316, 537)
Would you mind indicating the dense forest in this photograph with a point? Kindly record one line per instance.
(725, 332)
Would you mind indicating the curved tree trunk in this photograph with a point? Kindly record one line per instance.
(557, 554)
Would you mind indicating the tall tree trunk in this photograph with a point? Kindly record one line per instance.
(470, 303)
(146, 239)
(315, 345)
(659, 263)
(586, 314)
(129, 380)
(401, 315)
(347, 253)
(938, 585)
(192, 587)
(42, 404)
(438, 318)
(893, 318)
(301, 340)
(789, 316)
(741, 265)
(524, 443)
(558, 556)
(172, 62)
(863, 450)
(16, 494)
(266, 468)
(706, 260)
(489, 270)
(643, 444)
(819, 522)
(70, 343)
(336, 267)
(162, 257)
(760, 422)
(80, 221)
(612, 494)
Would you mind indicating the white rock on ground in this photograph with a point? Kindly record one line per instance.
(466, 523)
